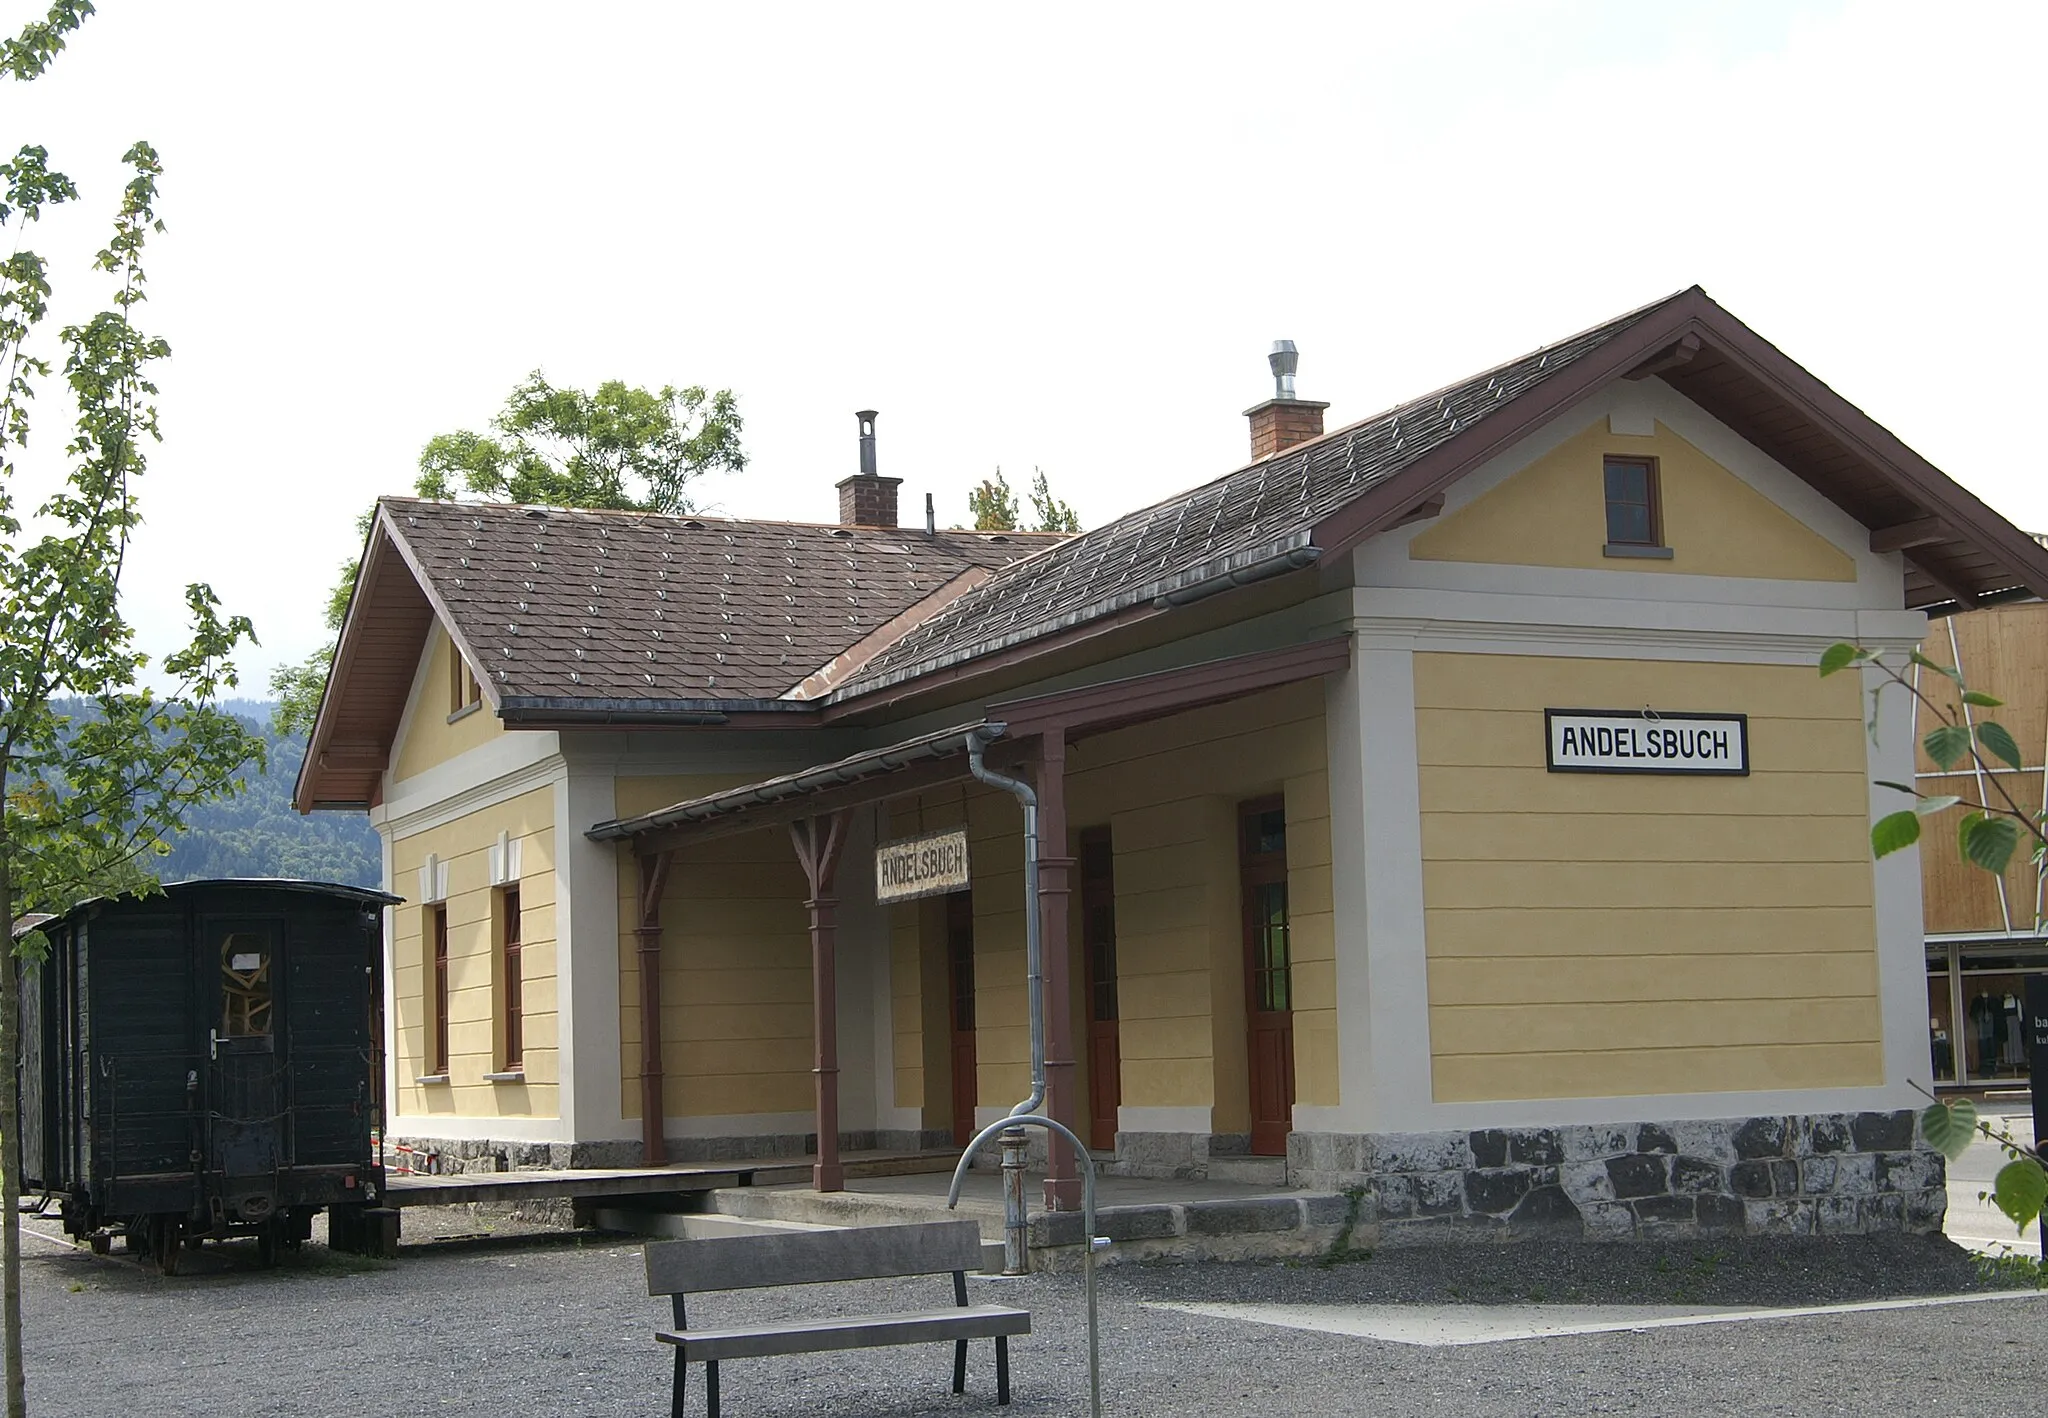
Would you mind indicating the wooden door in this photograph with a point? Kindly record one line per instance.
(960, 1010)
(247, 1132)
(1268, 967)
(1098, 951)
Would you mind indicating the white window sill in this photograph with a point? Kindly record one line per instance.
(1626, 549)
(431, 1078)
(465, 711)
(516, 1075)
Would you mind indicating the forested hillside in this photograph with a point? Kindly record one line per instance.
(256, 832)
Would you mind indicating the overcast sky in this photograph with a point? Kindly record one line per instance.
(1046, 235)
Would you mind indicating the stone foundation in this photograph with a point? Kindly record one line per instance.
(1166, 1155)
(1830, 1174)
(460, 1155)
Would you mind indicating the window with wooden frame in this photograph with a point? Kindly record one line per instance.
(464, 693)
(508, 953)
(1635, 508)
(437, 991)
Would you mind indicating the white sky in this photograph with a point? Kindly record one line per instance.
(1060, 236)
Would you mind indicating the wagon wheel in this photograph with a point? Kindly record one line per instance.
(166, 1238)
(101, 1243)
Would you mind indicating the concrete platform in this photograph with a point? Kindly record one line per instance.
(672, 1180)
(1144, 1219)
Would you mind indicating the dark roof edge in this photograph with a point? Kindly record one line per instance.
(364, 894)
(546, 708)
(872, 763)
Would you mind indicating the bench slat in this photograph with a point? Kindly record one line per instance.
(852, 1332)
(687, 1267)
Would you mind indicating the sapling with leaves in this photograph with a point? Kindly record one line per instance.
(82, 796)
(1992, 831)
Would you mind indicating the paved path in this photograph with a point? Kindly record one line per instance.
(560, 1329)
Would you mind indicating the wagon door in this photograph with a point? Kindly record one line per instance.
(246, 1133)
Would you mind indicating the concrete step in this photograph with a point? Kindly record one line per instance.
(1249, 1171)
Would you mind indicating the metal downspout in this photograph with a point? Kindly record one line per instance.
(1034, 964)
(1026, 1113)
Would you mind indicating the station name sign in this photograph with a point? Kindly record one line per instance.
(1643, 741)
(930, 865)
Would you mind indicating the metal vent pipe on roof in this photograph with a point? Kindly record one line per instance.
(867, 441)
(1284, 359)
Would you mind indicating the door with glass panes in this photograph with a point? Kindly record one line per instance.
(1268, 972)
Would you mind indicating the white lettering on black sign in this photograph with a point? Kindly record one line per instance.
(921, 866)
(1636, 741)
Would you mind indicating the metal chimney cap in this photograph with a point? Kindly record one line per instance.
(1284, 359)
(866, 416)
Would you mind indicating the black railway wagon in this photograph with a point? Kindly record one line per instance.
(205, 1063)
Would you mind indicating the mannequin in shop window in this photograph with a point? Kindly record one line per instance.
(2013, 1047)
(1987, 1032)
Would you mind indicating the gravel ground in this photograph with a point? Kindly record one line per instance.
(561, 1326)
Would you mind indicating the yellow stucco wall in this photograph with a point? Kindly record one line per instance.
(735, 968)
(475, 1038)
(1553, 513)
(1593, 935)
(430, 738)
(1169, 792)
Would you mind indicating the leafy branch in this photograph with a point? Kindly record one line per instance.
(1990, 832)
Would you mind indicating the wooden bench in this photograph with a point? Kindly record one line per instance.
(682, 1268)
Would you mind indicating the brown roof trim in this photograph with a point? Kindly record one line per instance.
(844, 667)
(441, 611)
(1692, 320)
(311, 766)
(1117, 703)
(1388, 503)
(870, 776)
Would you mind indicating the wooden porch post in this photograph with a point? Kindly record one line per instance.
(1062, 1181)
(818, 842)
(653, 878)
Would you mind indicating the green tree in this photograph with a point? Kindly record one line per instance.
(1990, 832)
(82, 797)
(994, 508)
(620, 448)
(1053, 514)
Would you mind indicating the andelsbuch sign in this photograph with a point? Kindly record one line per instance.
(1645, 741)
(930, 865)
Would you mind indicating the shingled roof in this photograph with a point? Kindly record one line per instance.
(617, 615)
(1286, 511)
(577, 615)
(558, 605)
(1255, 515)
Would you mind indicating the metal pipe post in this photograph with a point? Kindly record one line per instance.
(1016, 1220)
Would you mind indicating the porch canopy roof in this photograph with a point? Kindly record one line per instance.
(930, 760)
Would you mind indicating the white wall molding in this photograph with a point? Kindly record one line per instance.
(587, 943)
(1901, 921)
(502, 769)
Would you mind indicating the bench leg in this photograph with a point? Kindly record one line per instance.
(675, 1403)
(959, 1366)
(1002, 1368)
(711, 1386)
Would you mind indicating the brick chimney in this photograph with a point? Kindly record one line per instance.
(1283, 420)
(866, 500)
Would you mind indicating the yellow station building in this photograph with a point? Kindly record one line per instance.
(1446, 804)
